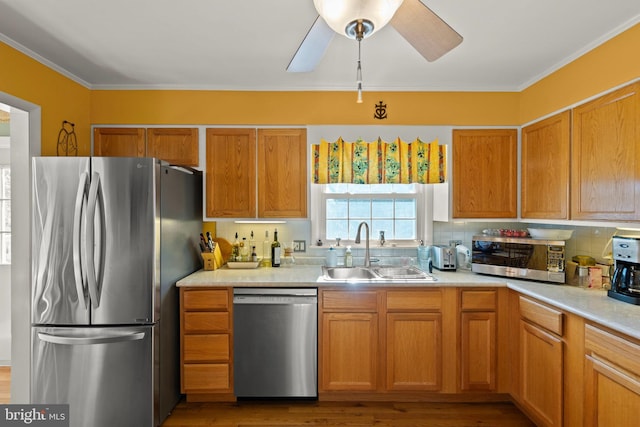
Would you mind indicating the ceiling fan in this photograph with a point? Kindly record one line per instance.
(419, 25)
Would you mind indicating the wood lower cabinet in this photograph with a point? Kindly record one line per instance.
(545, 168)
(541, 362)
(485, 166)
(349, 343)
(612, 374)
(206, 353)
(478, 340)
(414, 340)
(177, 146)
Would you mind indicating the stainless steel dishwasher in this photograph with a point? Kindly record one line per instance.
(275, 342)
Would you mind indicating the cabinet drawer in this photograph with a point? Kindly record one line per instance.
(617, 350)
(414, 300)
(350, 301)
(206, 348)
(205, 377)
(206, 321)
(206, 299)
(475, 300)
(544, 316)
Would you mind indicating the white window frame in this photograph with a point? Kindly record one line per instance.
(2, 202)
(424, 215)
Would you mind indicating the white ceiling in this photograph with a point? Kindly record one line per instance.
(247, 44)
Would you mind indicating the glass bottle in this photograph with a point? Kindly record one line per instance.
(275, 250)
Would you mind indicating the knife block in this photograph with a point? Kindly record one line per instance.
(212, 260)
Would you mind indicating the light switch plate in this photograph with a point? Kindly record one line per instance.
(299, 246)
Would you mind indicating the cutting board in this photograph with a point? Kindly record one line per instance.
(225, 247)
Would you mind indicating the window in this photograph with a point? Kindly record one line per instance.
(393, 208)
(5, 214)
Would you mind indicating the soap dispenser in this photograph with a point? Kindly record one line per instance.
(332, 257)
(348, 257)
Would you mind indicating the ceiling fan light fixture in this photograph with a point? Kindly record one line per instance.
(339, 14)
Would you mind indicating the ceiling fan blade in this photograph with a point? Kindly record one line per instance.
(425, 30)
(312, 48)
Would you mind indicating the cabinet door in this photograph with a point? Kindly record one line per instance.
(349, 351)
(282, 173)
(485, 173)
(545, 168)
(605, 170)
(119, 142)
(478, 351)
(414, 351)
(231, 173)
(541, 370)
(178, 146)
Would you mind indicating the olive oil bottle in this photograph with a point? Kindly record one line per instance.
(275, 250)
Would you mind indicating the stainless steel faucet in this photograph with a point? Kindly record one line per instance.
(367, 260)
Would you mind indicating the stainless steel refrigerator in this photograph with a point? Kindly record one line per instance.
(110, 237)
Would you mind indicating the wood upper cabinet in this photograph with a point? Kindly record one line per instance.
(177, 146)
(231, 173)
(545, 168)
(119, 142)
(282, 173)
(485, 173)
(272, 162)
(605, 157)
(612, 374)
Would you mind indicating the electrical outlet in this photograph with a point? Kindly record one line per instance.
(455, 242)
(299, 246)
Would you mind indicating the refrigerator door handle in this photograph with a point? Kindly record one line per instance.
(105, 339)
(92, 277)
(78, 262)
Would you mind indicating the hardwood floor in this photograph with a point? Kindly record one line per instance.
(379, 414)
(5, 382)
(352, 414)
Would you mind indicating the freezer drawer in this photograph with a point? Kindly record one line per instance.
(104, 374)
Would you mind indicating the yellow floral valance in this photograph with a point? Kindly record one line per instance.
(378, 162)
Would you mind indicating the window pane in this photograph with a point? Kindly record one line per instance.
(385, 225)
(5, 248)
(337, 208)
(381, 208)
(405, 208)
(405, 229)
(336, 228)
(5, 183)
(360, 208)
(5, 215)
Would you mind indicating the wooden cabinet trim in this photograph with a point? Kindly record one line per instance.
(544, 316)
(479, 300)
(617, 350)
(365, 301)
(414, 300)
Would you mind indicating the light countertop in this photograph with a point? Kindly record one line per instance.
(592, 305)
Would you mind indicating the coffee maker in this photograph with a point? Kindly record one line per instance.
(625, 284)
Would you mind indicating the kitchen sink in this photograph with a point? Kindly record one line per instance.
(375, 274)
(348, 273)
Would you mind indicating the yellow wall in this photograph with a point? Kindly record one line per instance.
(609, 65)
(613, 63)
(59, 97)
(302, 108)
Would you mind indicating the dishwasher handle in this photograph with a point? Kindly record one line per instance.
(274, 299)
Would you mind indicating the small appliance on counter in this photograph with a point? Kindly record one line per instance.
(625, 284)
(519, 257)
(444, 257)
